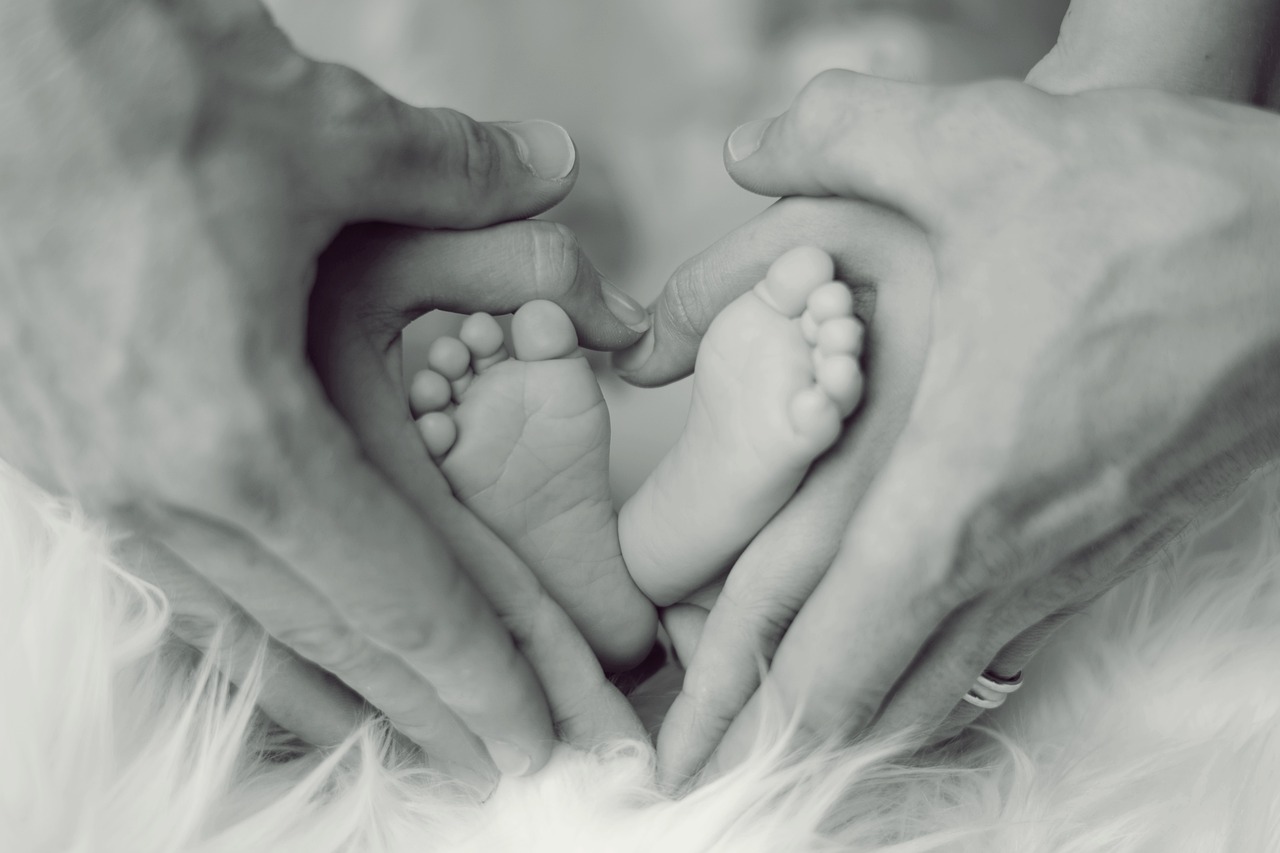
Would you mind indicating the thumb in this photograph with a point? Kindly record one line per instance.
(397, 273)
(868, 243)
(435, 167)
(902, 145)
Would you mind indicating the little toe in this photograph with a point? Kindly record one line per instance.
(428, 392)
(438, 432)
(831, 300)
(840, 378)
(541, 331)
(787, 285)
(841, 336)
(814, 415)
(483, 337)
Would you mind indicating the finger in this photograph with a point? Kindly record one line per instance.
(684, 624)
(889, 587)
(433, 167)
(719, 681)
(867, 243)
(830, 674)
(310, 498)
(585, 707)
(1019, 621)
(746, 625)
(307, 622)
(405, 272)
(1008, 662)
(948, 665)
(855, 136)
(293, 692)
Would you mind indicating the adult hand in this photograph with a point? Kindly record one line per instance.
(1084, 394)
(1175, 46)
(172, 173)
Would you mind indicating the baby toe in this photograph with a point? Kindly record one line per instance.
(787, 285)
(833, 299)
(541, 331)
(810, 328)
(840, 378)
(428, 392)
(483, 337)
(815, 417)
(438, 432)
(840, 336)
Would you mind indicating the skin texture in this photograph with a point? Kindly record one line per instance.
(191, 353)
(1067, 426)
(778, 574)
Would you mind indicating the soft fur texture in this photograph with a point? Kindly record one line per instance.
(1152, 725)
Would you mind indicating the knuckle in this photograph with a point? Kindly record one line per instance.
(764, 618)
(687, 306)
(239, 455)
(988, 552)
(825, 87)
(996, 124)
(469, 148)
(353, 107)
(715, 697)
(332, 644)
(410, 633)
(236, 465)
(833, 710)
(557, 258)
(819, 103)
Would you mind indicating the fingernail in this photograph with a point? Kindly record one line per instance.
(510, 759)
(544, 146)
(745, 141)
(625, 308)
(634, 357)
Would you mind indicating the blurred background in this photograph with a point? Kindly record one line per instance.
(649, 89)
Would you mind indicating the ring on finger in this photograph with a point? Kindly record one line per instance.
(992, 689)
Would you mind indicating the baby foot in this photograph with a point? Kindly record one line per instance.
(777, 374)
(524, 443)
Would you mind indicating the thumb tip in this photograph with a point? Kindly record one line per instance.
(545, 148)
(645, 364)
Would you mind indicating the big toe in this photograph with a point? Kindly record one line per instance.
(792, 277)
(541, 330)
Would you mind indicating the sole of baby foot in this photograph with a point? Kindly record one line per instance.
(777, 374)
(522, 436)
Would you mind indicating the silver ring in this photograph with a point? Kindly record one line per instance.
(992, 689)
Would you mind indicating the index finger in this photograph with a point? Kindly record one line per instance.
(864, 240)
(888, 590)
(311, 499)
(780, 569)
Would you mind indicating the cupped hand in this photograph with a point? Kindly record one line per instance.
(172, 174)
(1106, 328)
(1178, 48)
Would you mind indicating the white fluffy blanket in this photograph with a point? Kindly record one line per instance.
(1152, 725)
